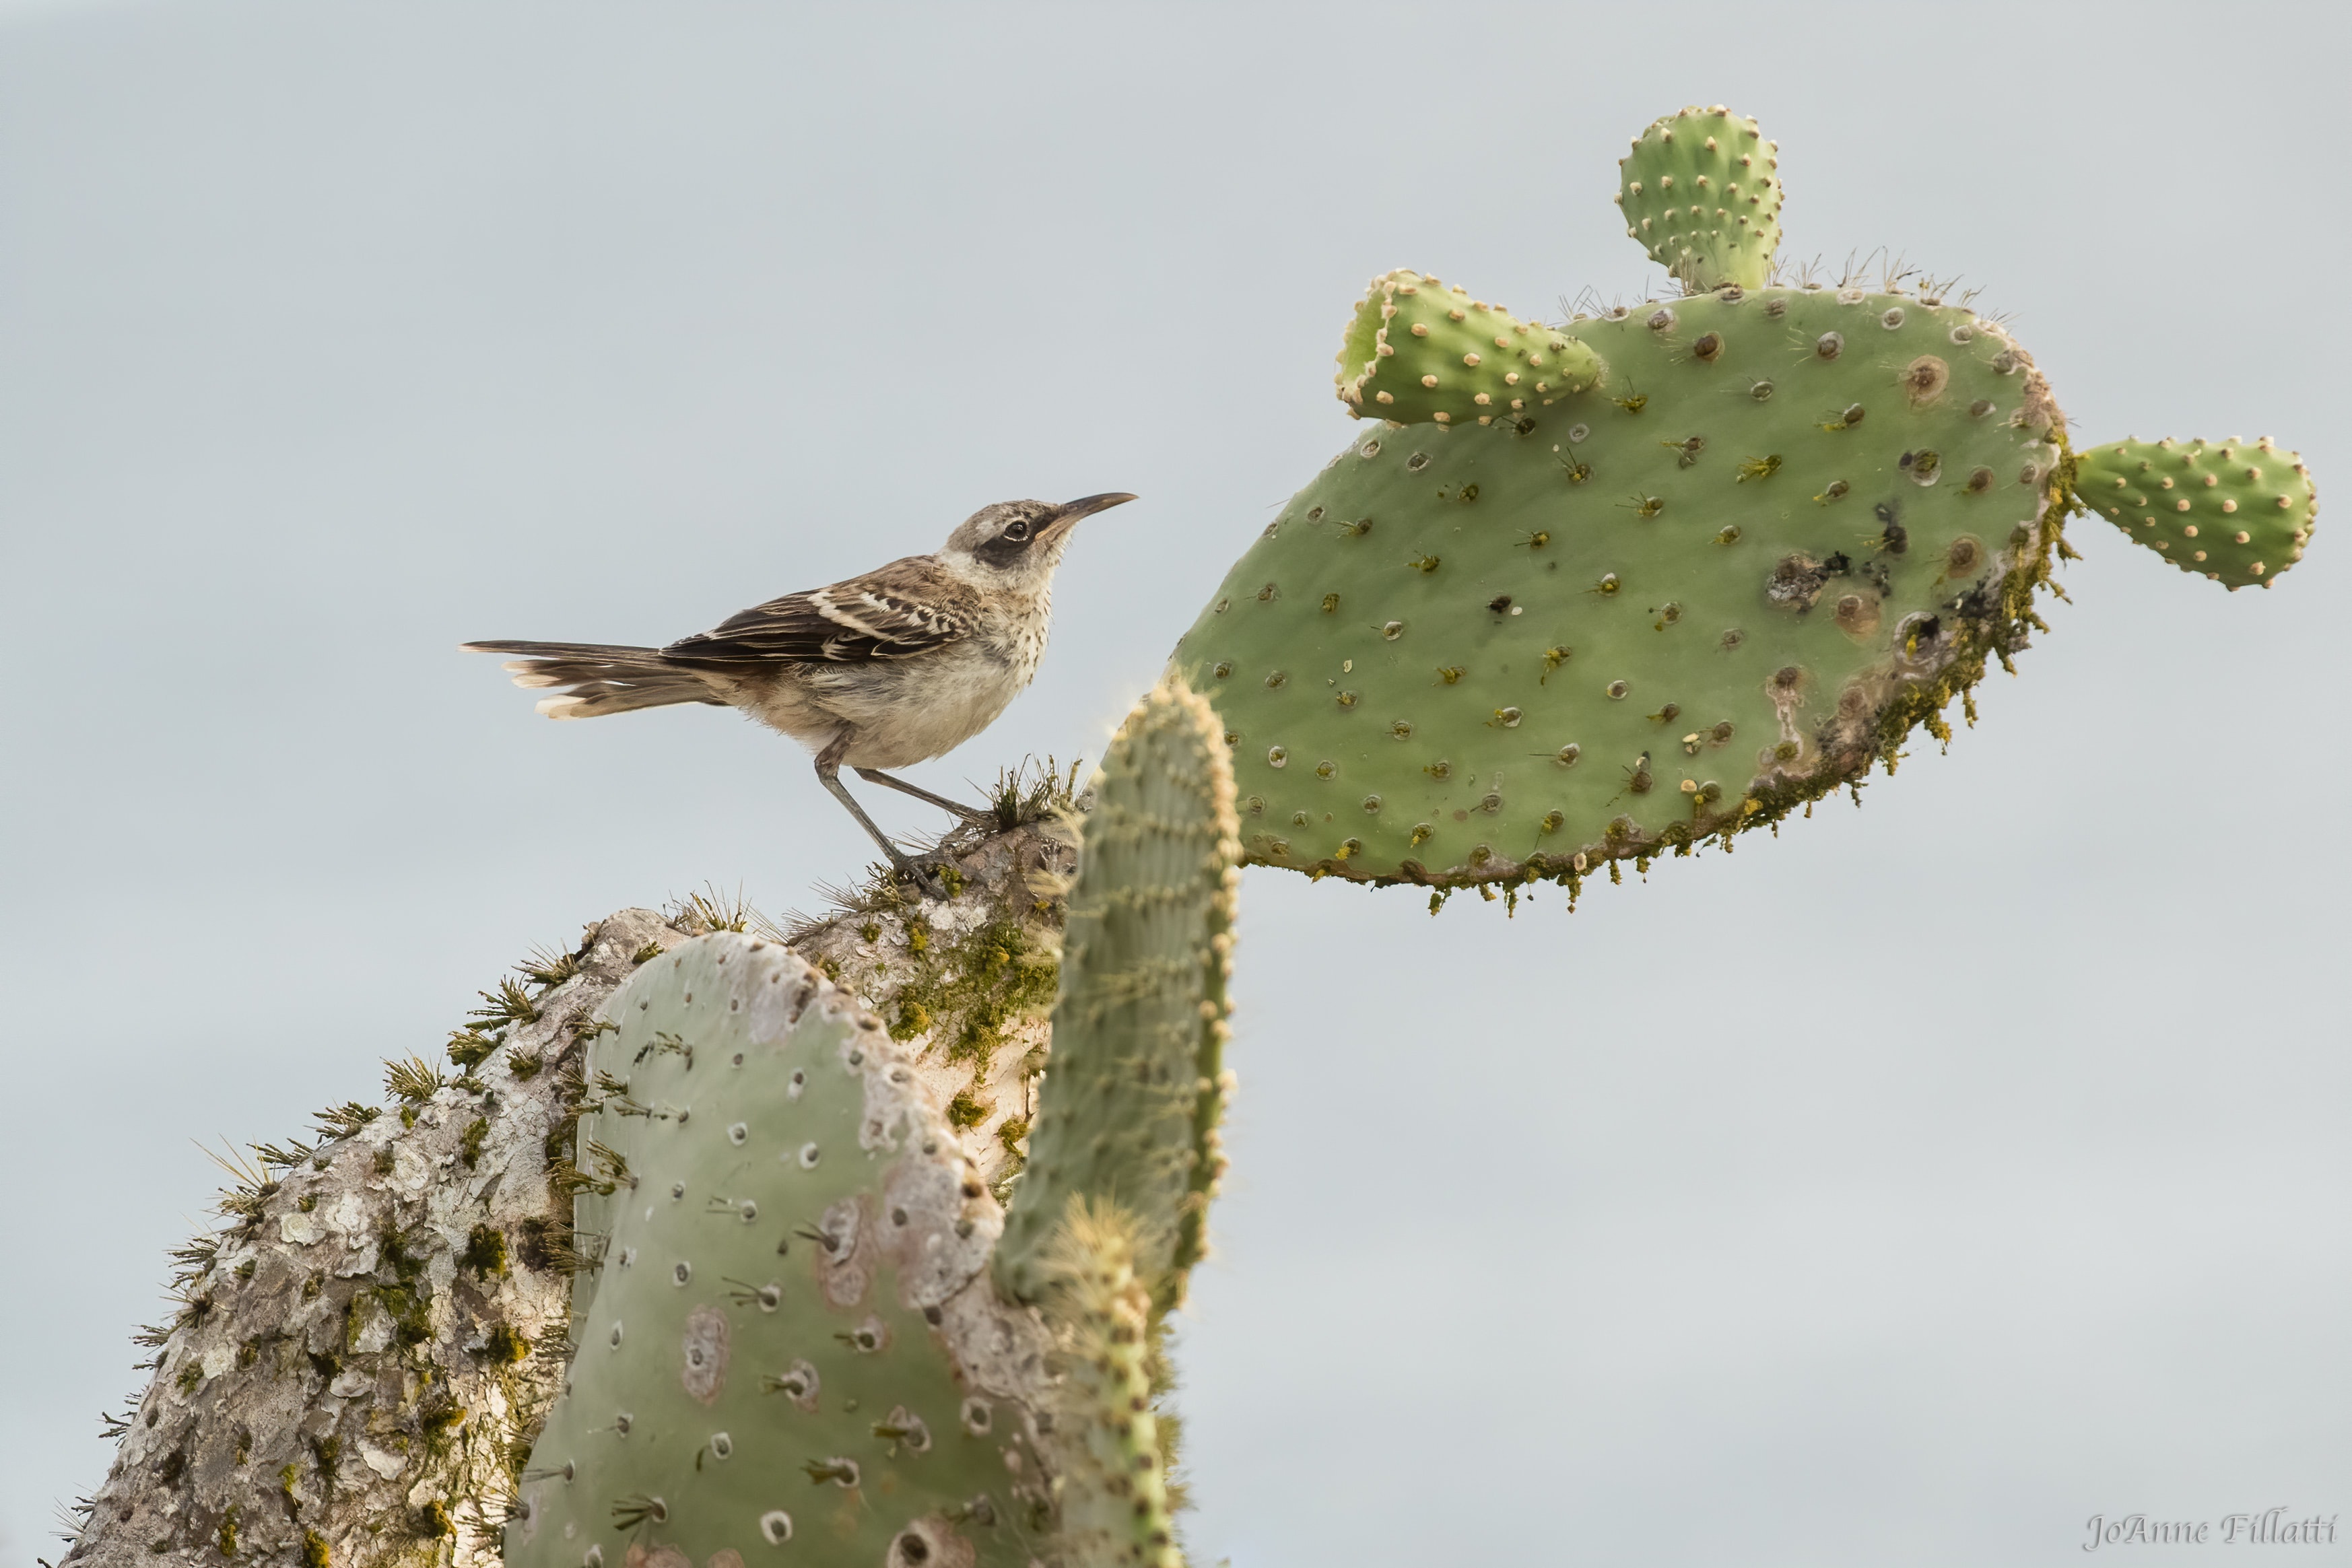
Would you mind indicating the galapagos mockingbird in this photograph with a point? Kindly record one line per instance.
(895, 667)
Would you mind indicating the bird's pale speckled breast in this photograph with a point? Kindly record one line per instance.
(913, 710)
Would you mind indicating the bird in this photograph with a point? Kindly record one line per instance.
(896, 666)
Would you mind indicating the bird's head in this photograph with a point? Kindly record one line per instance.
(1021, 541)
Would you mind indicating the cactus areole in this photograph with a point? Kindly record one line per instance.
(1607, 589)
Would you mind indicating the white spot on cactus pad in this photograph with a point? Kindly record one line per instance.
(705, 1354)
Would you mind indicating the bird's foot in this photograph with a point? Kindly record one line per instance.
(933, 875)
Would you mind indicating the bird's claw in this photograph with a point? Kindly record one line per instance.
(934, 875)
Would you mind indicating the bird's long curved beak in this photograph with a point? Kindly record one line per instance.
(1067, 515)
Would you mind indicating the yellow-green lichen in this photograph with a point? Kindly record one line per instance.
(437, 1417)
(966, 996)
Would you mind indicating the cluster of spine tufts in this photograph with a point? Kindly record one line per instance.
(1105, 1437)
(1701, 191)
(2235, 511)
(1417, 350)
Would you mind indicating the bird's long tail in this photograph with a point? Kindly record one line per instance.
(602, 678)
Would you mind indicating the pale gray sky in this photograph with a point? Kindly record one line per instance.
(1906, 1189)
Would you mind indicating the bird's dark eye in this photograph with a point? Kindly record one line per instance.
(1016, 530)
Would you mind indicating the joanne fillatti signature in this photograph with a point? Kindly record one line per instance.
(2271, 1528)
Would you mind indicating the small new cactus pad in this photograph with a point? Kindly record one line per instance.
(1127, 1113)
(1417, 350)
(1702, 193)
(1791, 527)
(791, 1350)
(2236, 511)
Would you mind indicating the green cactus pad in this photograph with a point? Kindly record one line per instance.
(1701, 191)
(791, 1350)
(1793, 526)
(1106, 1437)
(1417, 350)
(1128, 1111)
(2238, 512)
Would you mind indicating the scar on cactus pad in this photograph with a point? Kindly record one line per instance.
(1607, 589)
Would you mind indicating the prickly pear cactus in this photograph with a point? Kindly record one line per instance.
(1510, 634)
(789, 1346)
(792, 1346)
(1129, 1113)
(1791, 526)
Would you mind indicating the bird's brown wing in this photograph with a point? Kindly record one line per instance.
(909, 606)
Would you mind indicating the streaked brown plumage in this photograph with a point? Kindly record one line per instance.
(896, 666)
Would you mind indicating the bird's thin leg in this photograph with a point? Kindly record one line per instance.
(968, 813)
(828, 773)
